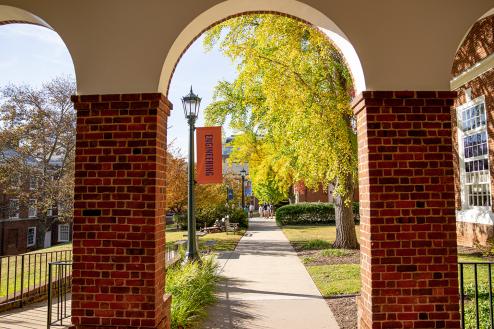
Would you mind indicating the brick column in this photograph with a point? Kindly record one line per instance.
(407, 207)
(119, 262)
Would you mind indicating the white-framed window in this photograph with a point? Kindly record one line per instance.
(31, 236)
(474, 154)
(63, 233)
(14, 208)
(49, 212)
(32, 211)
(33, 183)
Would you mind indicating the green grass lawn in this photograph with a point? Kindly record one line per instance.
(302, 235)
(212, 241)
(34, 274)
(340, 279)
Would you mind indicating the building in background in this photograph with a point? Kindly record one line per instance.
(235, 169)
(473, 134)
(20, 220)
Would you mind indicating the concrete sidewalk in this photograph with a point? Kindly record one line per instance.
(267, 286)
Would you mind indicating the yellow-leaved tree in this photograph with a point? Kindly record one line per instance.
(291, 104)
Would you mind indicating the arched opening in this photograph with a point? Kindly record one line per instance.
(228, 9)
(473, 155)
(36, 185)
(271, 247)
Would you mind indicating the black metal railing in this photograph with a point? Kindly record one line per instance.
(476, 305)
(25, 277)
(59, 308)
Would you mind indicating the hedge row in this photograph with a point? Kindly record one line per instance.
(207, 217)
(310, 213)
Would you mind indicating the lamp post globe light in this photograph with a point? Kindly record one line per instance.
(191, 104)
(243, 173)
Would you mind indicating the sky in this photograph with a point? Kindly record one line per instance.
(32, 55)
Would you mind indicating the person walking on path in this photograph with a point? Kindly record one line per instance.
(251, 210)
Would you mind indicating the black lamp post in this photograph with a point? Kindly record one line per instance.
(243, 173)
(191, 103)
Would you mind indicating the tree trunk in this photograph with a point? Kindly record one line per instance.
(291, 195)
(346, 237)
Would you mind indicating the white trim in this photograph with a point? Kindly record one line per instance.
(477, 215)
(17, 215)
(461, 155)
(475, 71)
(32, 208)
(34, 236)
(60, 233)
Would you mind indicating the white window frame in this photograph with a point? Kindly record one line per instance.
(17, 214)
(60, 232)
(461, 150)
(32, 211)
(33, 228)
(49, 212)
(33, 183)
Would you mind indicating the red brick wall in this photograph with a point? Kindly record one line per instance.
(119, 240)
(21, 226)
(478, 44)
(408, 225)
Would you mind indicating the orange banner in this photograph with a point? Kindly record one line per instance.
(209, 159)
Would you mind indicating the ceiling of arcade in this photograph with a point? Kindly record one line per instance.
(120, 46)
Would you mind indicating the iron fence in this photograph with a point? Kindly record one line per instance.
(476, 305)
(60, 276)
(25, 277)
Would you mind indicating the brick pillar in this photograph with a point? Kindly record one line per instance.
(407, 207)
(119, 261)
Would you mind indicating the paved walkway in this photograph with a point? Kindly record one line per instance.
(267, 286)
(32, 316)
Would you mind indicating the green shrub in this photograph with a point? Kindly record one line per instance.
(315, 245)
(192, 288)
(239, 216)
(207, 217)
(309, 213)
(305, 213)
(180, 220)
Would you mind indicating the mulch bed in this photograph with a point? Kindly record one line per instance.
(315, 258)
(344, 310)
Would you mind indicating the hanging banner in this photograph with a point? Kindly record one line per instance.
(248, 188)
(209, 164)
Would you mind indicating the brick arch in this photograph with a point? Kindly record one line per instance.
(477, 45)
(328, 27)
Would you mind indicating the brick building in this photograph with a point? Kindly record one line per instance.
(304, 194)
(20, 225)
(473, 132)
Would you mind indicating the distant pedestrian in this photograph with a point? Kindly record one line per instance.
(265, 210)
(260, 211)
(251, 210)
